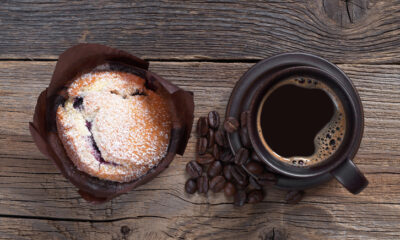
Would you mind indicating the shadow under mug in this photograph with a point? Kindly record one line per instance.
(340, 164)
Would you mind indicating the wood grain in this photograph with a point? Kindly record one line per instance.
(359, 31)
(38, 203)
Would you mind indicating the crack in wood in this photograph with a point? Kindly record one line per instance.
(78, 219)
(348, 11)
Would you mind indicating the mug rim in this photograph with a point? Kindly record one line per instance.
(352, 136)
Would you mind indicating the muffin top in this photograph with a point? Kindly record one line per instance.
(113, 127)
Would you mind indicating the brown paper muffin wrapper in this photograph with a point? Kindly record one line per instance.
(81, 59)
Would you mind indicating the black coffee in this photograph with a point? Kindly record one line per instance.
(301, 121)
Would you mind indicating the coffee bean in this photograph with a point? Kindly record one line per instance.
(254, 167)
(294, 196)
(217, 183)
(241, 170)
(240, 198)
(227, 156)
(241, 187)
(194, 169)
(202, 184)
(190, 186)
(248, 172)
(202, 145)
(214, 169)
(244, 137)
(210, 138)
(254, 184)
(229, 189)
(243, 119)
(255, 196)
(254, 157)
(205, 159)
(202, 126)
(239, 175)
(231, 124)
(220, 138)
(266, 178)
(241, 157)
(216, 152)
(228, 172)
(213, 119)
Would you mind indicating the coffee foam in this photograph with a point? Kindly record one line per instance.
(327, 140)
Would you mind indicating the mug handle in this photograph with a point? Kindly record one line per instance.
(350, 177)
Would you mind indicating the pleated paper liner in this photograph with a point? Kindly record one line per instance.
(81, 59)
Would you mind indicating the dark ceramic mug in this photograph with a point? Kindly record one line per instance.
(249, 91)
(339, 164)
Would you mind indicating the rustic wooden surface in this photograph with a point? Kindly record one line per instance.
(203, 47)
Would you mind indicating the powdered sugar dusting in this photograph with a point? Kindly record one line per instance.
(131, 131)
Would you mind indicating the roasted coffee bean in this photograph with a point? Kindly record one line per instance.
(240, 198)
(254, 167)
(254, 157)
(241, 157)
(241, 170)
(213, 119)
(266, 178)
(239, 175)
(194, 169)
(216, 152)
(217, 183)
(205, 159)
(214, 169)
(229, 189)
(241, 187)
(220, 138)
(202, 126)
(202, 184)
(231, 124)
(255, 196)
(248, 172)
(210, 138)
(243, 119)
(254, 184)
(202, 145)
(244, 137)
(227, 157)
(228, 172)
(294, 196)
(190, 186)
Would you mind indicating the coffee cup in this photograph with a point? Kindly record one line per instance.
(305, 121)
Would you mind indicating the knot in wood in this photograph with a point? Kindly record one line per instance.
(345, 12)
(125, 230)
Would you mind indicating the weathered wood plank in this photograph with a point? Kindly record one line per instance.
(205, 30)
(32, 187)
(289, 221)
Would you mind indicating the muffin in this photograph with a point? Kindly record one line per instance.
(108, 123)
(113, 127)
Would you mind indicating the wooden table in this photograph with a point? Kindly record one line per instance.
(203, 47)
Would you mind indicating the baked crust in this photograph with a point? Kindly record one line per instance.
(113, 127)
